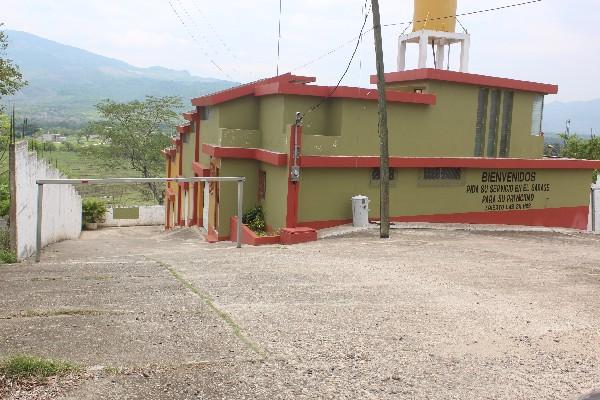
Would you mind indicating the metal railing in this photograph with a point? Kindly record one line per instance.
(128, 181)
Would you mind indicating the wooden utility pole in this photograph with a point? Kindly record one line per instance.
(384, 178)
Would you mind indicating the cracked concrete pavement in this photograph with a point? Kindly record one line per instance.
(431, 313)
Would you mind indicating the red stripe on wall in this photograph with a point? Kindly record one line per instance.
(564, 217)
(293, 195)
(447, 162)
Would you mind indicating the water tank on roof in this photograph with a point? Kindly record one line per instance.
(431, 15)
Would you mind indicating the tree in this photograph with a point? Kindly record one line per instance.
(134, 133)
(11, 79)
(574, 146)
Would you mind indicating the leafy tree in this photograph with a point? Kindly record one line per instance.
(11, 79)
(134, 133)
(574, 146)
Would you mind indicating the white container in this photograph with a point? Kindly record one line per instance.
(360, 211)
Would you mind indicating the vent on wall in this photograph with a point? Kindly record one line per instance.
(494, 116)
(507, 111)
(482, 106)
(452, 174)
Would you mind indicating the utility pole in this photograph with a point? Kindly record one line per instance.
(384, 176)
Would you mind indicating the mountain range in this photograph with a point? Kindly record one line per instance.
(66, 82)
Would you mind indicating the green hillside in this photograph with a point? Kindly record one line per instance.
(66, 82)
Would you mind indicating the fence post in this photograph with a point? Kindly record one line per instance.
(38, 237)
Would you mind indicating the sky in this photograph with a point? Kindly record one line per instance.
(552, 41)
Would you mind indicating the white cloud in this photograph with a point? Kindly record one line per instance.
(551, 41)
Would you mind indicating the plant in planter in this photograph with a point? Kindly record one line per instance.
(255, 220)
(93, 212)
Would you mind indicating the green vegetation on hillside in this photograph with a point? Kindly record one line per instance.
(75, 164)
(65, 83)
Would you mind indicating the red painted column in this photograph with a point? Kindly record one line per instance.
(198, 144)
(168, 203)
(196, 212)
(291, 220)
(179, 202)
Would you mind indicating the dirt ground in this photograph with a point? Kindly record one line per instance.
(432, 313)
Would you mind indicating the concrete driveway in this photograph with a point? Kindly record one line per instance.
(432, 313)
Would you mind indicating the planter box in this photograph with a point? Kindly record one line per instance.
(251, 238)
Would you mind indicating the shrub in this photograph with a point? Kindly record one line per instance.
(93, 211)
(7, 257)
(255, 220)
(4, 199)
(4, 239)
(33, 367)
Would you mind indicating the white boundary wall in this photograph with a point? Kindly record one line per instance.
(597, 210)
(61, 206)
(149, 216)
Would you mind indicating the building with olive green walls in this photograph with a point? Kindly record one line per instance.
(463, 148)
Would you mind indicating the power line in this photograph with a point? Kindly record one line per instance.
(472, 12)
(214, 31)
(189, 31)
(214, 48)
(341, 46)
(316, 106)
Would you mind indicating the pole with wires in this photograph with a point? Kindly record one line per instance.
(384, 180)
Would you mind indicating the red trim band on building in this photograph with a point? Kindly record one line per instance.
(564, 217)
(200, 170)
(447, 162)
(183, 129)
(343, 92)
(466, 78)
(190, 116)
(297, 85)
(269, 157)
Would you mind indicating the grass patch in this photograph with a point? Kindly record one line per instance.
(24, 367)
(7, 257)
(113, 370)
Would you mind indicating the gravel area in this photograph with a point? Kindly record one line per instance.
(435, 312)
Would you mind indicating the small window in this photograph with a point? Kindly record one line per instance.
(537, 115)
(446, 174)
(376, 174)
(185, 138)
(419, 91)
(262, 185)
(205, 113)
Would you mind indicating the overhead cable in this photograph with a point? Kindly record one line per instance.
(362, 32)
(191, 33)
(341, 46)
